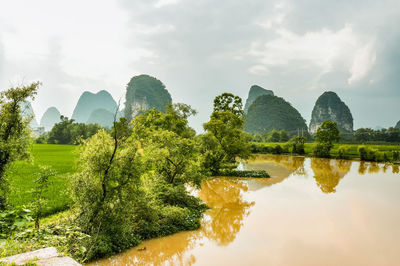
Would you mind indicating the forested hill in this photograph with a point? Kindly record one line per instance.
(330, 107)
(254, 92)
(143, 93)
(269, 112)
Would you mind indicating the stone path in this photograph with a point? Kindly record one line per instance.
(42, 257)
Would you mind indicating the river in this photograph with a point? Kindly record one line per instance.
(310, 212)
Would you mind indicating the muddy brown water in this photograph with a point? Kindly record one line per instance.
(310, 212)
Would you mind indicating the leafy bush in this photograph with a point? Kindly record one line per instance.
(12, 220)
(322, 150)
(343, 152)
(277, 149)
(369, 154)
(396, 155)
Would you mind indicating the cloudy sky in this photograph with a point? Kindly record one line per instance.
(201, 48)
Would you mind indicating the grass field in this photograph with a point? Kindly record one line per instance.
(352, 148)
(60, 158)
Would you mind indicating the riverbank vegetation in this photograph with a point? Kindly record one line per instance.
(339, 150)
(129, 182)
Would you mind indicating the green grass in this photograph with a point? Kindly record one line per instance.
(61, 158)
(352, 148)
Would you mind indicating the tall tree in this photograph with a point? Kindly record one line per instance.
(326, 135)
(224, 140)
(14, 131)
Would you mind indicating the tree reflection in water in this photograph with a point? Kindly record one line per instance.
(228, 209)
(327, 172)
(374, 168)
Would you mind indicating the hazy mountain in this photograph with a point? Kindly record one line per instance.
(145, 92)
(330, 107)
(269, 112)
(254, 92)
(49, 118)
(102, 117)
(27, 112)
(89, 102)
(397, 125)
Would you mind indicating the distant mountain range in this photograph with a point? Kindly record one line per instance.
(90, 102)
(263, 110)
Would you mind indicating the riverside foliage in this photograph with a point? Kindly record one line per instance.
(131, 184)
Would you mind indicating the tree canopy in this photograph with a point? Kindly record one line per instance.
(224, 140)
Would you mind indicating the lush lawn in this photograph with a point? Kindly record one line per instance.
(352, 148)
(61, 158)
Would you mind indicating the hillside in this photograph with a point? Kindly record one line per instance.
(254, 92)
(330, 107)
(144, 92)
(269, 112)
(102, 117)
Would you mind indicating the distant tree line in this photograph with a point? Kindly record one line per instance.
(68, 132)
(363, 135)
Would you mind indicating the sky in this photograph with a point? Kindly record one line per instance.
(202, 48)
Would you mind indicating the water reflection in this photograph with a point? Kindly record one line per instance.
(228, 209)
(248, 217)
(374, 168)
(327, 173)
(221, 224)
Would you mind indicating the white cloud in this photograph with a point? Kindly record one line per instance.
(363, 62)
(320, 48)
(162, 3)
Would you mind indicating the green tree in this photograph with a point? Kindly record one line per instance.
(169, 143)
(68, 132)
(224, 140)
(326, 135)
(273, 136)
(14, 131)
(283, 136)
(106, 192)
(298, 144)
(131, 184)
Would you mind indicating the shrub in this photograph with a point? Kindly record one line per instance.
(343, 152)
(396, 155)
(277, 149)
(322, 150)
(285, 148)
(368, 154)
(11, 220)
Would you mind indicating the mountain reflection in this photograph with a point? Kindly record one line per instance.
(327, 173)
